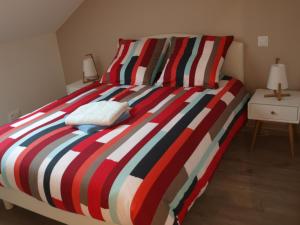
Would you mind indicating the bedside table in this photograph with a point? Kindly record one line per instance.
(76, 86)
(270, 109)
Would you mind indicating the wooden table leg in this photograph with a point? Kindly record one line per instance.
(256, 132)
(291, 137)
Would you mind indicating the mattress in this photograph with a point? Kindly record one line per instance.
(149, 169)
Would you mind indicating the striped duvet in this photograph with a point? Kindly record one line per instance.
(147, 170)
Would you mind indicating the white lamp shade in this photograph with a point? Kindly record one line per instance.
(89, 68)
(277, 75)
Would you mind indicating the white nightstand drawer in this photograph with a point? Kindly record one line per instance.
(273, 113)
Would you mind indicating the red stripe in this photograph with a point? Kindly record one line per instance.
(236, 87)
(177, 60)
(58, 203)
(4, 129)
(96, 185)
(148, 54)
(70, 172)
(168, 73)
(115, 69)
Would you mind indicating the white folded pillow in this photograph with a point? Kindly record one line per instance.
(103, 113)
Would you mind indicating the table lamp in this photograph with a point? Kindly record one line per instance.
(89, 69)
(277, 81)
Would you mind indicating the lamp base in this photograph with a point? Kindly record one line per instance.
(278, 93)
(87, 80)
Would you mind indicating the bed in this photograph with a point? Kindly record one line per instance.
(147, 170)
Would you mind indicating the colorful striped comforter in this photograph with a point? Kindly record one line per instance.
(147, 170)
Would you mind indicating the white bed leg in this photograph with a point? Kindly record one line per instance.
(7, 205)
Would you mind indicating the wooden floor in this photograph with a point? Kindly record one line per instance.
(249, 188)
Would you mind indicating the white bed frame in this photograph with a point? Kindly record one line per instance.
(233, 66)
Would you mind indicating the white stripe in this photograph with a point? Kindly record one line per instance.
(128, 53)
(37, 124)
(170, 219)
(201, 67)
(227, 98)
(161, 78)
(161, 104)
(10, 165)
(58, 171)
(111, 135)
(139, 47)
(106, 215)
(139, 78)
(125, 197)
(124, 148)
(85, 210)
(19, 123)
(193, 97)
(200, 150)
(78, 132)
(80, 96)
(198, 119)
(186, 80)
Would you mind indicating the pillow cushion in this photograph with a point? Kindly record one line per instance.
(137, 62)
(195, 61)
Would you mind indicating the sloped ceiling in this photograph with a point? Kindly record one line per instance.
(25, 18)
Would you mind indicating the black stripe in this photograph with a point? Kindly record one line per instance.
(112, 94)
(52, 164)
(129, 68)
(183, 61)
(145, 165)
(185, 196)
(40, 134)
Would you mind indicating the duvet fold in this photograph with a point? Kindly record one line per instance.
(103, 113)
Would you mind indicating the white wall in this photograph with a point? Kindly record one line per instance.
(31, 74)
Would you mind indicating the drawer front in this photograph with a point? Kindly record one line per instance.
(273, 113)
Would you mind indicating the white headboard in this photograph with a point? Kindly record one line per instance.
(234, 62)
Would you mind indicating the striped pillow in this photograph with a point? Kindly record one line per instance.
(137, 62)
(195, 61)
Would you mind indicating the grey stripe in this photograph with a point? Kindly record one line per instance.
(37, 161)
